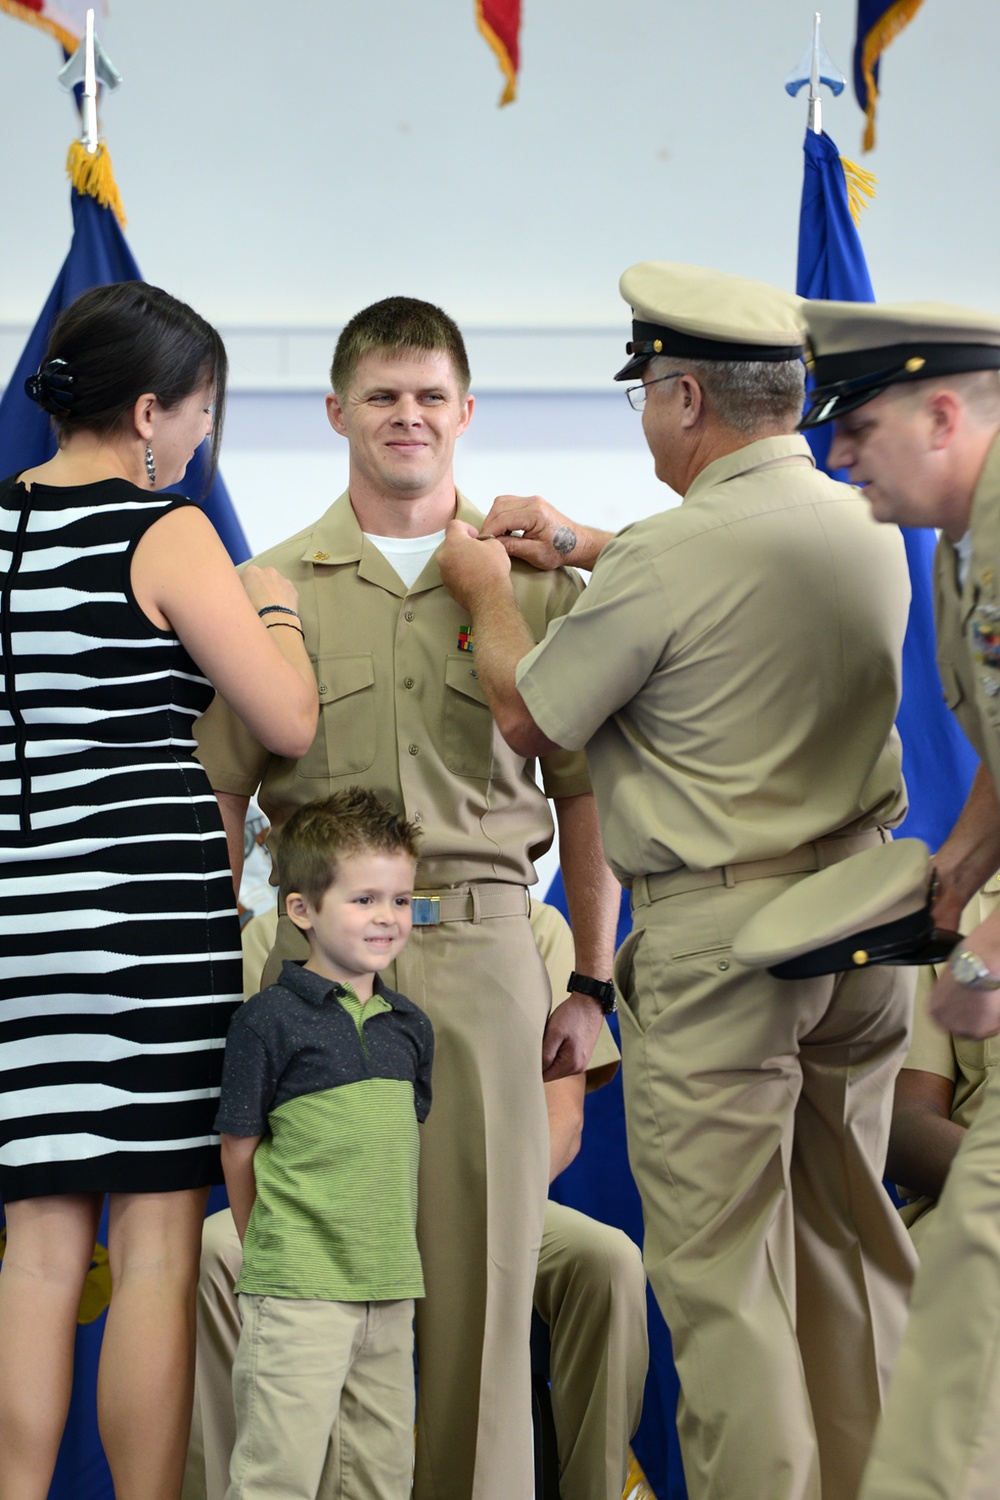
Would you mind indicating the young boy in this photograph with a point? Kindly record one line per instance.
(326, 1075)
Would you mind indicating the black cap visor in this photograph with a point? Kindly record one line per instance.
(650, 339)
(910, 940)
(846, 381)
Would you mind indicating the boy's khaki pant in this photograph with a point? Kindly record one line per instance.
(324, 1396)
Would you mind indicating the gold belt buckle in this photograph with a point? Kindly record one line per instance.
(425, 911)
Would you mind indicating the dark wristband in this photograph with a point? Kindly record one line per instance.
(601, 990)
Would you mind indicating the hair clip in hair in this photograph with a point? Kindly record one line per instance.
(52, 387)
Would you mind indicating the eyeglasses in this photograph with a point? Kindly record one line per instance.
(637, 393)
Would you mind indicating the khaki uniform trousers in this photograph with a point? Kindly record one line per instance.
(757, 1112)
(940, 1436)
(323, 1388)
(591, 1290)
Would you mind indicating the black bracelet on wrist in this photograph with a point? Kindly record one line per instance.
(601, 990)
(280, 609)
(285, 625)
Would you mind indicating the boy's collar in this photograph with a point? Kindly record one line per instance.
(317, 990)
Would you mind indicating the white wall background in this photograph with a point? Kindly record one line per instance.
(284, 162)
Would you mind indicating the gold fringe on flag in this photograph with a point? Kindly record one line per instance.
(66, 39)
(885, 30)
(92, 173)
(637, 1486)
(502, 55)
(861, 184)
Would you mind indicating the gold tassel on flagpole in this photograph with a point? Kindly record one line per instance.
(91, 172)
(861, 184)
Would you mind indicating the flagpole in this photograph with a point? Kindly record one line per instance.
(815, 68)
(89, 66)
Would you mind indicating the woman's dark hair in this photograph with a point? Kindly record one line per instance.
(116, 342)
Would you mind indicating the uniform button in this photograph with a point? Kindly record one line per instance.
(407, 682)
(323, 687)
(418, 817)
(723, 964)
(408, 614)
(414, 749)
(473, 672)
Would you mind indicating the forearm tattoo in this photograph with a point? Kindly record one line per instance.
(564, 540)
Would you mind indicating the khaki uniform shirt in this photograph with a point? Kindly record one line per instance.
(734, 669)
(968, 621)
(402, 710)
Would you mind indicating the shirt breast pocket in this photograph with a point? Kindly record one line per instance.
(345, 736)
(468, 723)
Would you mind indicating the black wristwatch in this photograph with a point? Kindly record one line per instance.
(601, 990)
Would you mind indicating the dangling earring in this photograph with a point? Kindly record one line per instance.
(150, 466)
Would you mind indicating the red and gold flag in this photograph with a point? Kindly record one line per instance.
(500, 22)
(63, 19)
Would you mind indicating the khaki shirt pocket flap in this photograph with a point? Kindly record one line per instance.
(460, 674)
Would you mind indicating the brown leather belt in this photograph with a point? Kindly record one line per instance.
(800, 861)
(470, 903)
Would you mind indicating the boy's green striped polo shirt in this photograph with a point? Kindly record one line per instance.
(336, 1090)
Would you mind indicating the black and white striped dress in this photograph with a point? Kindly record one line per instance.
(119, 945)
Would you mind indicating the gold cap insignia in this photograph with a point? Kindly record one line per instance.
(914, 364)
(658, 346)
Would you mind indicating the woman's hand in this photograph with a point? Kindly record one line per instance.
(266, 586)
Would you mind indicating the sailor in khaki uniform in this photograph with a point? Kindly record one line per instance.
(733, 670)
(915, 395)
(403, 714)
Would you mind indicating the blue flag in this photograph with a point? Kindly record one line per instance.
(98, 254)
(938, 761)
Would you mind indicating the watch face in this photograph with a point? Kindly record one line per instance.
(969, 969)
(965, 967)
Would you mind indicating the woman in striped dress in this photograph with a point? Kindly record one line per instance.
(120, 613)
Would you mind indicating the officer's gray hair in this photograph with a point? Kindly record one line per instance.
(746, 395)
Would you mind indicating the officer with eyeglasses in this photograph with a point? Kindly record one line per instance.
(733, 669)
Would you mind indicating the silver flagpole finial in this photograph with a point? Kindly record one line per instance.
(89, 65)
(815, 68)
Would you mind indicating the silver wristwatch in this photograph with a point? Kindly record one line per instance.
(968, 969)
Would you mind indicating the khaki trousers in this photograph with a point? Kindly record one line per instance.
(757, 1112)
(591, 1292)
(940, 1436)
(323, 1394)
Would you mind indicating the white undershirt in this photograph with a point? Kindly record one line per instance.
(409, 555)
(963, 551)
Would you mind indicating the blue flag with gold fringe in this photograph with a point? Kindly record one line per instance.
(938, 761)
(879, 23)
